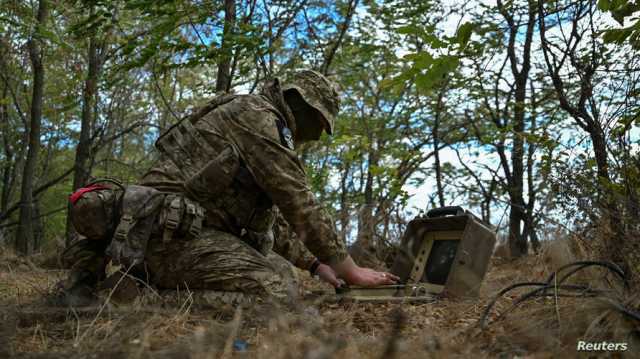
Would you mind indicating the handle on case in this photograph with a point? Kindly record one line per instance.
(446, 211)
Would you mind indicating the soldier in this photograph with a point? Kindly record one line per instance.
(226, 202)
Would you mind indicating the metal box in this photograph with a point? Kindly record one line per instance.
(447, 250)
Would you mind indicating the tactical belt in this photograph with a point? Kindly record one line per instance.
(140, 206)
(140, 209)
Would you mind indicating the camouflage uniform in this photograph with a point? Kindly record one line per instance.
(238, 163)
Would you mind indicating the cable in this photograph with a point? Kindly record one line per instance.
(502, 292)
(541, 291)
(584, 264)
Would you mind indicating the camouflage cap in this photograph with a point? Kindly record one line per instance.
(318, 92)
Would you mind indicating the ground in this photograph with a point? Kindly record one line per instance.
(147, 327)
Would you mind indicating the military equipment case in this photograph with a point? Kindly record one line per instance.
(448, 250)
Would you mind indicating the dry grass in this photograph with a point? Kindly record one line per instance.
(542, 327)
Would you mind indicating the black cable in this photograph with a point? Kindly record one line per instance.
(535, 292)
(541, 291)
(622, 309)
(584, 264)
(502, 292)
(567, 295)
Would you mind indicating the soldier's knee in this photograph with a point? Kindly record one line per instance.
(280, 286)
(82, 252)
(284, 269)
(263, 282)
(73, 252)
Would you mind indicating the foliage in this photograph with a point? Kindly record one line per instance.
(433, 108)
(623, 11)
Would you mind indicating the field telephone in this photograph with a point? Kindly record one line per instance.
(447, 250)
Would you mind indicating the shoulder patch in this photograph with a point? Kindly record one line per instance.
(287, 138)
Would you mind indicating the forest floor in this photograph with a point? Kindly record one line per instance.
(540, 328)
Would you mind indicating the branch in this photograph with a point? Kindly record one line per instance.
(164, 99)
(16, 104)
(10, 224)
(36, 192)
(324, 69)
(114, 137)
(582, 119)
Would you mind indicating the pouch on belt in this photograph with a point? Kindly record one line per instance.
(140, 206)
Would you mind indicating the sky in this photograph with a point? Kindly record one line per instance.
(420, 196)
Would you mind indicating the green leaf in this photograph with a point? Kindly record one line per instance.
(387, 83)
(464, 33)
(376, 170)
(421, 60)
(616, 36)
(409, 30)
(604, 5)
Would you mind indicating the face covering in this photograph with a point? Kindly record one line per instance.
(309, 123)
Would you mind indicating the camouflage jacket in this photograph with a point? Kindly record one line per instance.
(235, 163)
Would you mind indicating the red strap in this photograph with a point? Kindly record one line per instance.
(81, 191)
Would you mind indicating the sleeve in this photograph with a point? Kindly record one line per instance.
(164, 176)
(289, 246)
(277, 170)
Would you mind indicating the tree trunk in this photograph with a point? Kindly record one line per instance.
(363, 250)
(365, 217)
(83, 151)
(587, 118)
(517, 213)
(8, 152)
(517, 243)
(223, 81)
(436, 150)
(6, 183)
(608, 202)
(25, 235)
(38, 225)
(533, 238)
(530, 223)
(344, 205)
(487, 200)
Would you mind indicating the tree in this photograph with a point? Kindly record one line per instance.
(96, 54)
(579, 50)
(506, 115)
(223, 81)
(514, 173)
(25, 236)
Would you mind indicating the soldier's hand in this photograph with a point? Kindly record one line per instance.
(366, 277)
(328, 275)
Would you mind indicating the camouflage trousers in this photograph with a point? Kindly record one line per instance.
(216, 261)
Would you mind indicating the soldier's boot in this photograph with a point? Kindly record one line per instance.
(79, 290)
(87, 262)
